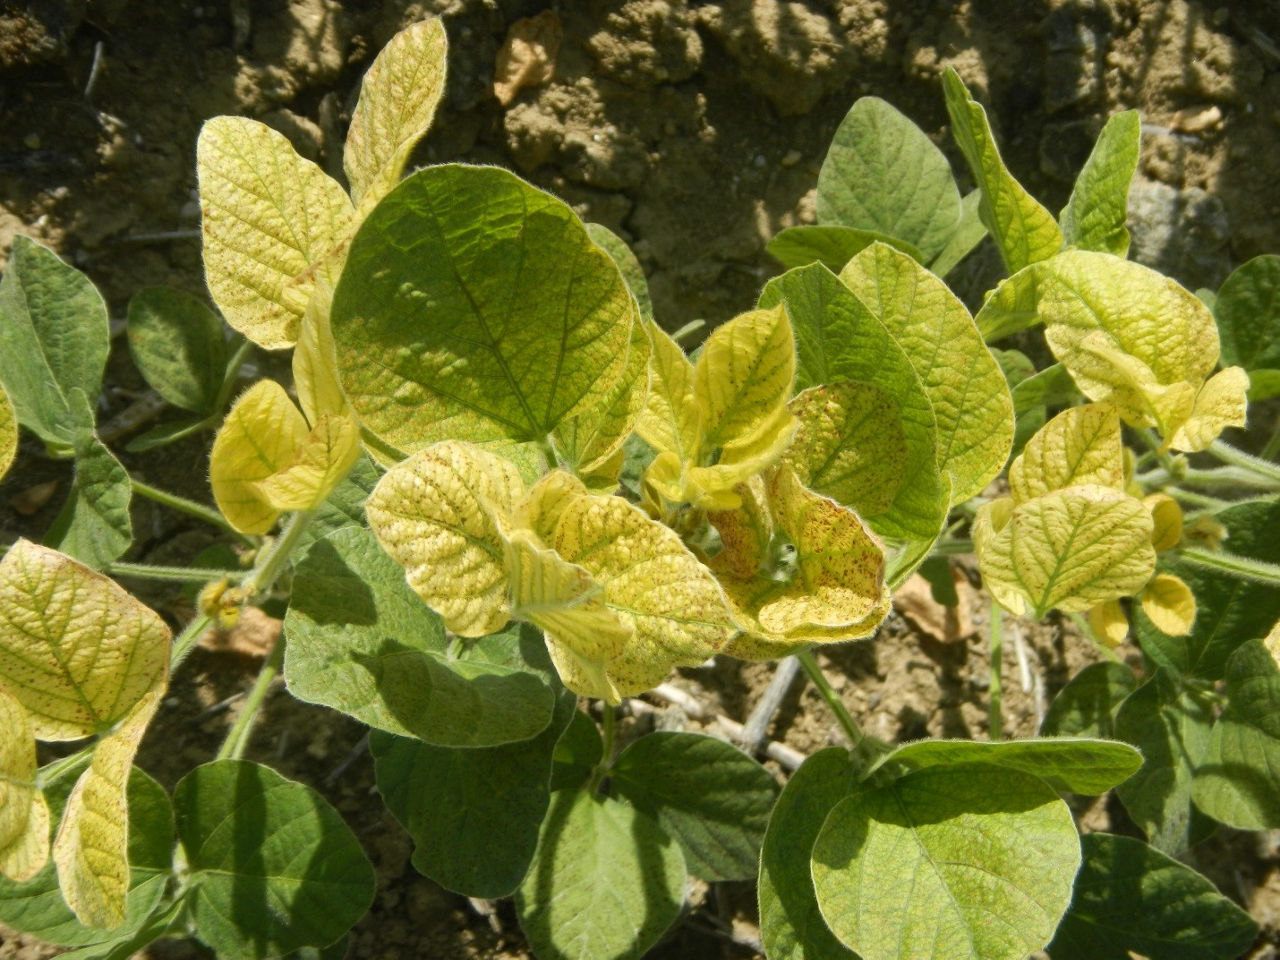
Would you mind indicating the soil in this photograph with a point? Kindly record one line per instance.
(696, 130)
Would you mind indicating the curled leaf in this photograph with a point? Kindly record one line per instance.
(1169, 604)
(1109, 623)
(24, 815)
(1166, 521)
(318, 463)
(744, 374)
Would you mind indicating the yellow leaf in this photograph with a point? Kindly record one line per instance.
(315, 361)
(8, 433)
(1166, 520)
(1133, 388)
(323, 458)
(24, 815)
(744, 374)
(76, 650)
(1222, 402)
(1081, 445)
(398, 99)
(91, 850)
(1272, 642)
(270, 220)
(1169, 604)
(712, 487)
(672, 419)
(1109, 623)
(436, 515)
(745, 532)
(260, 436)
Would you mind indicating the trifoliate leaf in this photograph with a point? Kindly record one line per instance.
(1166, 520)
(398, 99)
(76, 650)
(970, 397)
(744, 374)
(435, 514)
(672, 421)
(318, 463)
(1079, 446)
(1070, 550)
(1169, 604)
(93, 525)
(632, 272)
(1024, 231)
(8, 433)
(475, 306)
(270, 220)
(1220, 403)
(24, 815)
(179, 346)
(1109, 623)
(832, 246)
(1094, 217)
(1248, 313)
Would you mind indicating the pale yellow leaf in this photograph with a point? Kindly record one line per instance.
(1131, 385)
(1169, 603)
(1222, 402)
(270, 219)
(24, 815)
(320, 461)
(712, 488)
(744, 373)
(315, 362)
(1109, 623)
(1081, 445)
(76, 650)
(672, 419)
(8, 433)
(1166, 520)
(436, 515)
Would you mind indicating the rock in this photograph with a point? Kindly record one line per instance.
(648, 42)
(1181, 233)
(37, 31)
(528, 58)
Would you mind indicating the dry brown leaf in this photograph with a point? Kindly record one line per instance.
(528, 58)
(253, 635)
(914, 600)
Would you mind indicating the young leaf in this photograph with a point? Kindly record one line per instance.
(255, 840)
(360, 641)
(707, 794)
(1169, 604)
(24, 814)
(791, 925)
(672, 421)
(1024, 231)
(970, 397)
(1220, 403)
(882, 173)
(970, 231)
(178, 345)
(320, 460)
(628, 265)
(1133, 900)
(8, 433)
(345, 506)
(947, 863)
(1079, 446)
(270, 218)
(1087, 705)
(606, 881)
(398, 99)
(512, 319)
(473, 814)
(315, 361)
(1094, 217)
(744, 374)
(76, 650)
(1012, 307)
(93, 525)
(1248, 314)
(1236, 782)
(830, 245)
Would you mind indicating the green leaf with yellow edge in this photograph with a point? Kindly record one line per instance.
(24, 815)
(93, 525)
(849, 445)
(1169, 604)
(971, 401)
(744, 374)
(436, 512)
(839, 338)
(91, 850)
(1094, 217)
(831, 245)
(1079, 446)
(1024, 231)
(1067, 550)
(625, 258)
(8, 433)
(398, 100)
(320, 461)
(270, 220)
(76, 650)
(475, 305)
(1012, 307)
(672, 420)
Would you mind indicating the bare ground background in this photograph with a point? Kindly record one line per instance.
(696, 130)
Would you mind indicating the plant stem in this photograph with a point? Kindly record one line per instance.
(1273, 445)
(183, 505)
(951, 548)
(1230, 476)
(232, 375)
(810, 666)
(186, 641)
(1197, 499)
(1238, 458)
(995, 717)
(146, 571)
(237, 740)
(1245, 568)
(610, 718)
(55, 768)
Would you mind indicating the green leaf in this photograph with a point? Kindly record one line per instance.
(970, 232)
(1131, 900)
(708, 794)
(882, 173)
(273, 867)
(1052, 386)
(970, 398)
(1263, 384)
(360, 641)
(1248, 313)
(947, 864)
(1087, 705)
(791, 926)
(1236, 783)
(605, 883)
(627, 264)
(54, 340)
(1012, 307)
(36, 906)
(1171, 728)
(473, 814)
(839, 338)
(1070, 765)
(831, 245)
(345, 506)
(496, 315)
(167, 433)
(1094, 217)
(179, 346)
(1024, 231)
(577, 753)
(93, 525)
(1229, 610)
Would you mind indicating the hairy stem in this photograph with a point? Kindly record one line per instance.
(1263, 469)
(995, 716)
(183, 505)
(843, 717)
(237, 739)
(147, 571)
(1245, 568)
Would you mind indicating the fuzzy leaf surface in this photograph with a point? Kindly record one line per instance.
(627, 263)
(93, 525)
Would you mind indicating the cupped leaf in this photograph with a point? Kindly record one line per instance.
(76, 650)
(1094, 217)
(179, 346)
(1012, 307)
(273, 868)
(474, 303)
(1087, 705)
(8, 433)
(830, 245)
(1247, 310)
(1133, 900)
(319, 462)
(398, 99)
(707, 794)
(744, 375)
(345, 506)
(712, 487)
(361, 641)
(1169, 604)
(1166, 517)
(882, 173)
(1236, 783)
(625, 258)
(971, 402)
(1109, 623)
(93, 525)
(947, 862)
(54, 339)
(270, 219)
(24, 814)
(1024, 231)
(605, 883)
(1220, 403)
(1079, 446)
